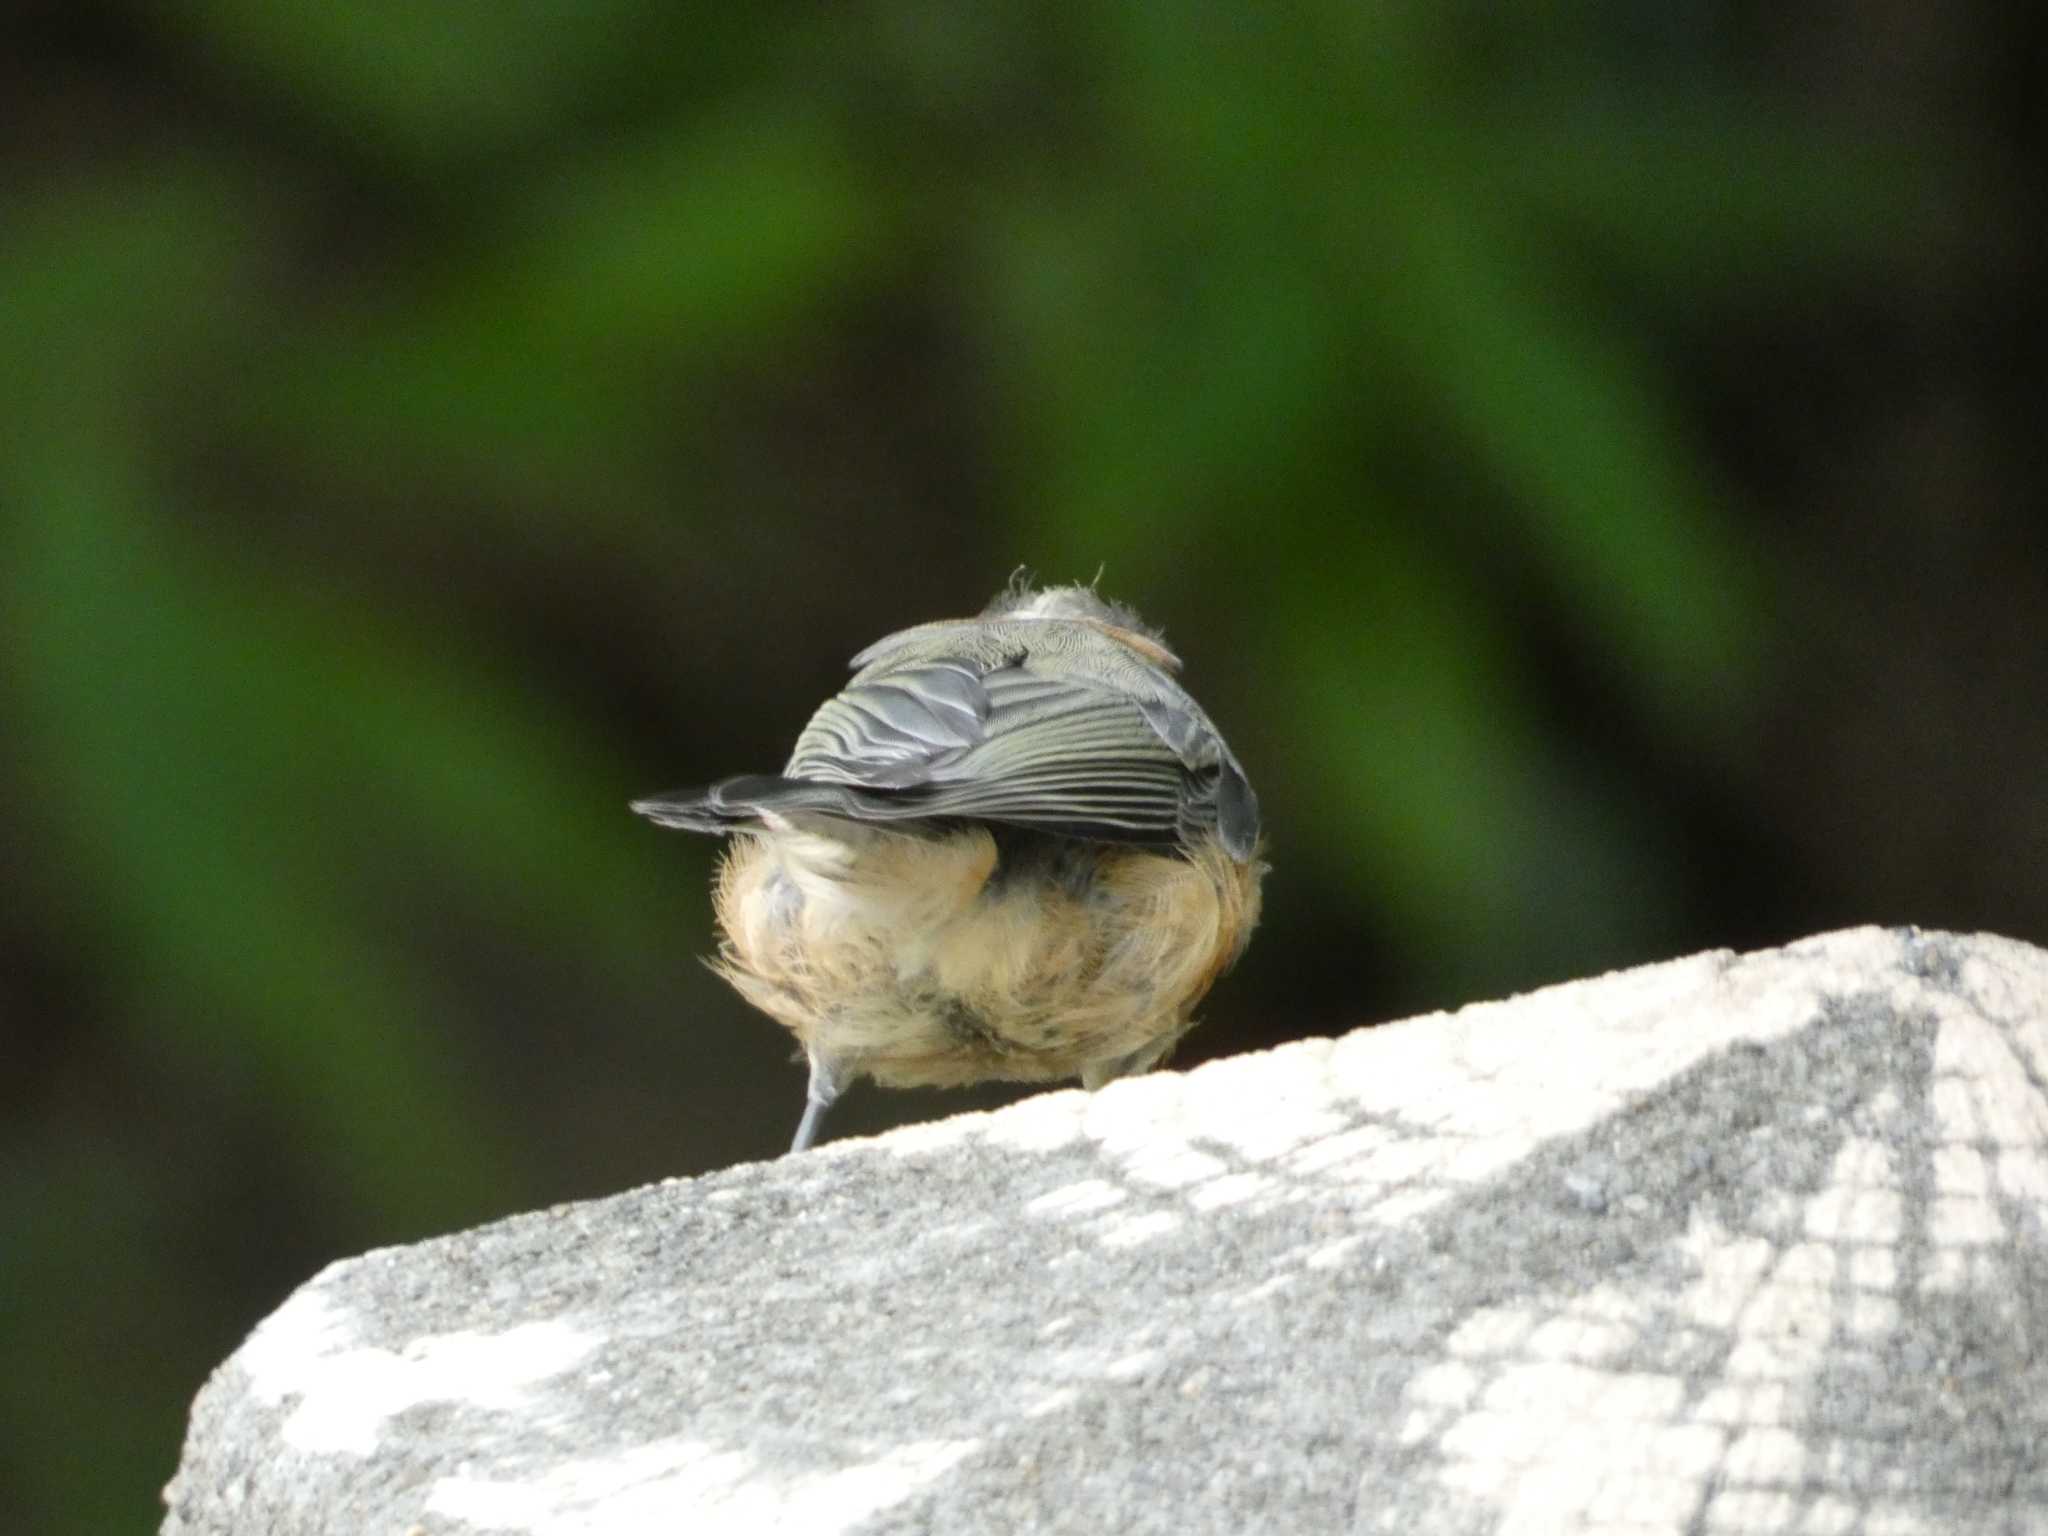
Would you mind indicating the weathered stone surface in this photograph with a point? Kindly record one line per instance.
(1747, 1244)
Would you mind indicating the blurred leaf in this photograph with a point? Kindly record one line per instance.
(1439, 798)
(102, 281)
(1612, 500)
(1317, 274)
(1716, 197)
(137, 723)
(284, 734)
(1184, 421)
(551, 350)
(213, 744)
(421, 85)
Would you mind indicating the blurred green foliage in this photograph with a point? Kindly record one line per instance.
(398, 398)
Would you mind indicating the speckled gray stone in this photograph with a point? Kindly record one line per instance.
(1748, 1244)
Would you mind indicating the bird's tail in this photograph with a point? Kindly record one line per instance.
(733, 805)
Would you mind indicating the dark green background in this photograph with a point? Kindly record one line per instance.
(1586, 453)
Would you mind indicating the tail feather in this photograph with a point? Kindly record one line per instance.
(732, 805)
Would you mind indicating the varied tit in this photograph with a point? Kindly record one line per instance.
(1013, 849)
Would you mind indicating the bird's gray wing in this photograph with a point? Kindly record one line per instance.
(949, 738)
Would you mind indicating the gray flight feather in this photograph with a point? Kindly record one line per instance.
(1064, 724)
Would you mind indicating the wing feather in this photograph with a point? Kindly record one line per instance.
(948, 738)
(1018, 746)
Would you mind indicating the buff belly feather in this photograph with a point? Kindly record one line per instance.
(928, 960)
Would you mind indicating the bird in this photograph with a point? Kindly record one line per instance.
(1013, 848)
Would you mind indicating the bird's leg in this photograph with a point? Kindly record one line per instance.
(825, 1085)
(1097, 1074)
